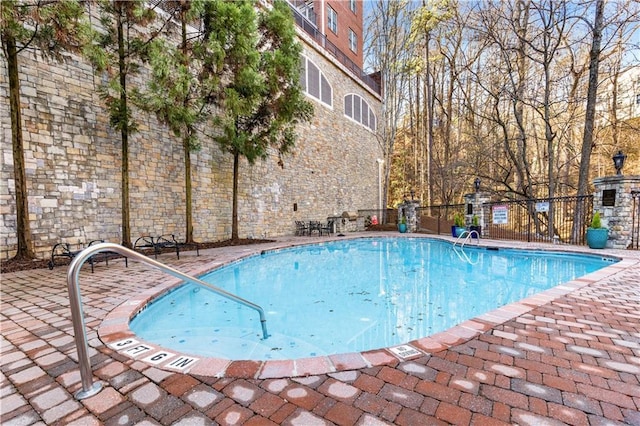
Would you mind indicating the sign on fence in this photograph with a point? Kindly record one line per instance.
(542, 206)
(500, 215)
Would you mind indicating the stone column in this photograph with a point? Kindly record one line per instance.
(474, 202)
(612, 198)
(409, 208)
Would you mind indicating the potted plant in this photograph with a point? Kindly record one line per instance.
(402, 225)
(475, 226)
(597, 234)
(458, 225)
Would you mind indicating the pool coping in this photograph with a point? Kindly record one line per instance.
(115, 333)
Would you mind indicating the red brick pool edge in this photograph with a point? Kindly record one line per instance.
(574, 359)
(115, 333)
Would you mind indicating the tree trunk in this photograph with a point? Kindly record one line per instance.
(234, 214)
(589, 120)
(587, 138)
(124, 133)
(23, 229)
(187, 142)
(188, 191)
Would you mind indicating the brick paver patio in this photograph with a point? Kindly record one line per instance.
(570, 356)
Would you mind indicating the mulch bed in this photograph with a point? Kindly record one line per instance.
(14, 265)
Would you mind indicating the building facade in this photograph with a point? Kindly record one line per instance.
(73, 162)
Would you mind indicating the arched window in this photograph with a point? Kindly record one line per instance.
(359, 110)
(314, 83)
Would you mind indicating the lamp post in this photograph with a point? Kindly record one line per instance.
(476, 184)
(618, 162)
(413, 193)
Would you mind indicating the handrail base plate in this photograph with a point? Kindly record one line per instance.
(84, 394)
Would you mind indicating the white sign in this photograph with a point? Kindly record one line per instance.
(542, 207)
(500, 215)
(405, 351)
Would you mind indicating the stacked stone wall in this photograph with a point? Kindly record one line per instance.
(73, 162)
(619, 217)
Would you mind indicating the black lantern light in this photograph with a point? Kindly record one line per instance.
(413, 194)
(618, 162)
(476, 184)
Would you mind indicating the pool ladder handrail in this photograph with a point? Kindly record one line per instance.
(73, 273)
(467, 234)
(466, 257)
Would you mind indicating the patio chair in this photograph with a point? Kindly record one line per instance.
(315, 226)
(161, 244)
(63, 250)
(301, 228)
(328, 228)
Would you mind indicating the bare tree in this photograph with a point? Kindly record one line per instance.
(387, 48)
(589, 120)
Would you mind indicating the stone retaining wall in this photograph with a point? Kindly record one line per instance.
(73, 166)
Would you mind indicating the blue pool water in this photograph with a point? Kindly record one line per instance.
(349, 296)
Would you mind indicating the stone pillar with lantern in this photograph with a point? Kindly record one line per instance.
(614, 198)
(474, 203)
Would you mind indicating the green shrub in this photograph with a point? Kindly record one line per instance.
(458, 220)
(596, 223)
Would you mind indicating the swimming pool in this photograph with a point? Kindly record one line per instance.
(349, 296)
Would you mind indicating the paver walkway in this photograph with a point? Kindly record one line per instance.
(574, 360)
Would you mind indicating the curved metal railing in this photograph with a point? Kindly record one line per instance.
(88, 387)
(467, 235)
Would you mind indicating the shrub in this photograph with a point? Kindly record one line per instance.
(458, 220)
(596, 223)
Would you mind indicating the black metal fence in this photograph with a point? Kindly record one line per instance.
(561, 219)
(557, 220)
(439, 219)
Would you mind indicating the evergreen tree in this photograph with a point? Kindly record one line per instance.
(260, 100)
(181, 86)
(49, 28)
(120, 47)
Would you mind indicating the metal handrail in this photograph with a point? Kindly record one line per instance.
(88, 387)
(468, 235)
(466, 257)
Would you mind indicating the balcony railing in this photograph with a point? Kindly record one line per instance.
(311, 29)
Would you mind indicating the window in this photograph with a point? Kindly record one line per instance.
(353, 41)
(332, 19)
(314, 83)
(359, 111)
(638, 99)
(352, 5)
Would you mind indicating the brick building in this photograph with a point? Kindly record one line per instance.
(340, 21)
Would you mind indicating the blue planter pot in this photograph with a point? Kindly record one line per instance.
(402, 227)
(459, 230)
(597, 237)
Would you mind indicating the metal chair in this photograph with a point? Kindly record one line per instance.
(315, 226)
(301, 228)
(328, 228)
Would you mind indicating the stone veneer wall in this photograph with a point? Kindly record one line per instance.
(618, 218)
(73, 166)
